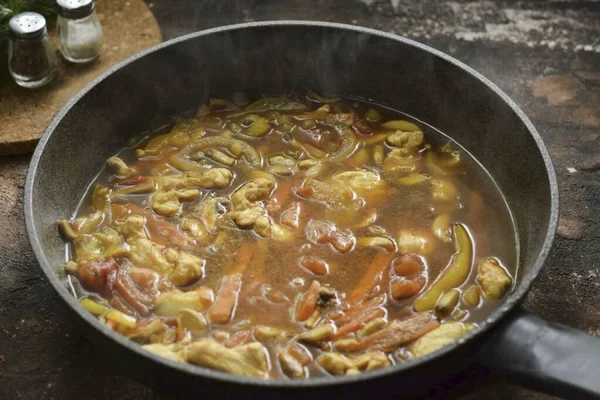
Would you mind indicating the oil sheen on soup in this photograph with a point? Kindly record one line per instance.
(292, 237)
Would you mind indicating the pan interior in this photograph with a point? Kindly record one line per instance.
(277, 59)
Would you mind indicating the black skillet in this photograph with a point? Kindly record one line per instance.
(276, 57)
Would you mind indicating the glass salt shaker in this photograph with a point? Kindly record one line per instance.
(31, 58)
(79, 30)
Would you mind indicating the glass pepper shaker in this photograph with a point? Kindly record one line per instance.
(31, 58)
(79, 30)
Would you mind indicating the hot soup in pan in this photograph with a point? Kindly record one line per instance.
(292, 237)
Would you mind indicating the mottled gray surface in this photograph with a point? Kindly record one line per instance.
(545, 54)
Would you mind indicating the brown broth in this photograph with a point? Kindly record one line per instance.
(276, 271)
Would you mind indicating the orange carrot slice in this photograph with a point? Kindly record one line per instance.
(380, 262)
(400, 332)
(309, 302)
(361, 308)
(358, 323)
(314, 264)
(243, 257)
(225, 302)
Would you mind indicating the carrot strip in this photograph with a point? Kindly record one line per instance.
(244, 255)
(359, 309)
(369, 280)
(400, 332)
(226, 299)
(350, 327)
(314, 264)
(309, 302)
(253, 274)
(358, 323)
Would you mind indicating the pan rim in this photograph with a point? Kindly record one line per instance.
(515, 298)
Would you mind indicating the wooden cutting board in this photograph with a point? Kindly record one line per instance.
(129, 27)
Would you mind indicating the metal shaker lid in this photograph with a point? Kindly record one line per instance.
(75, 9)
(27, 25)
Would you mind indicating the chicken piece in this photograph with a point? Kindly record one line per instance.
(182, 133)
(472, 296)
(221, 336)
(169, 304)
(247, 360)
(105, 243)
(291, 366)
(439, 337)
(122, 169)
(249, 211)
(166, 351)
(401, 160)
(336, 196)
(215, 178)
(188, 269)
(493, 279)
(220, 157)
(133, 227)
(334, 363)
(253, 217)
(190, 322)
(346, 345)
(282, 160)
(408, 140)
(252, 191)
(210, 211)
(148, 254)
(148, 333)
(266, 333)
(168, 204)
(372, 326)
(417, 241)
(317, 335)
(442, 189)
(447, 303)
(282, 165)
(194, 229)
(361, 180)
(371, 361)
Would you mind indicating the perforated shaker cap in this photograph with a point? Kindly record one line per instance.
(27, 25)
(75, 9)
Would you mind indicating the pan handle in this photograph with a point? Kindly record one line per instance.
(544, 356)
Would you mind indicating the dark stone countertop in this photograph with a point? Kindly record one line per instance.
(544, 53)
